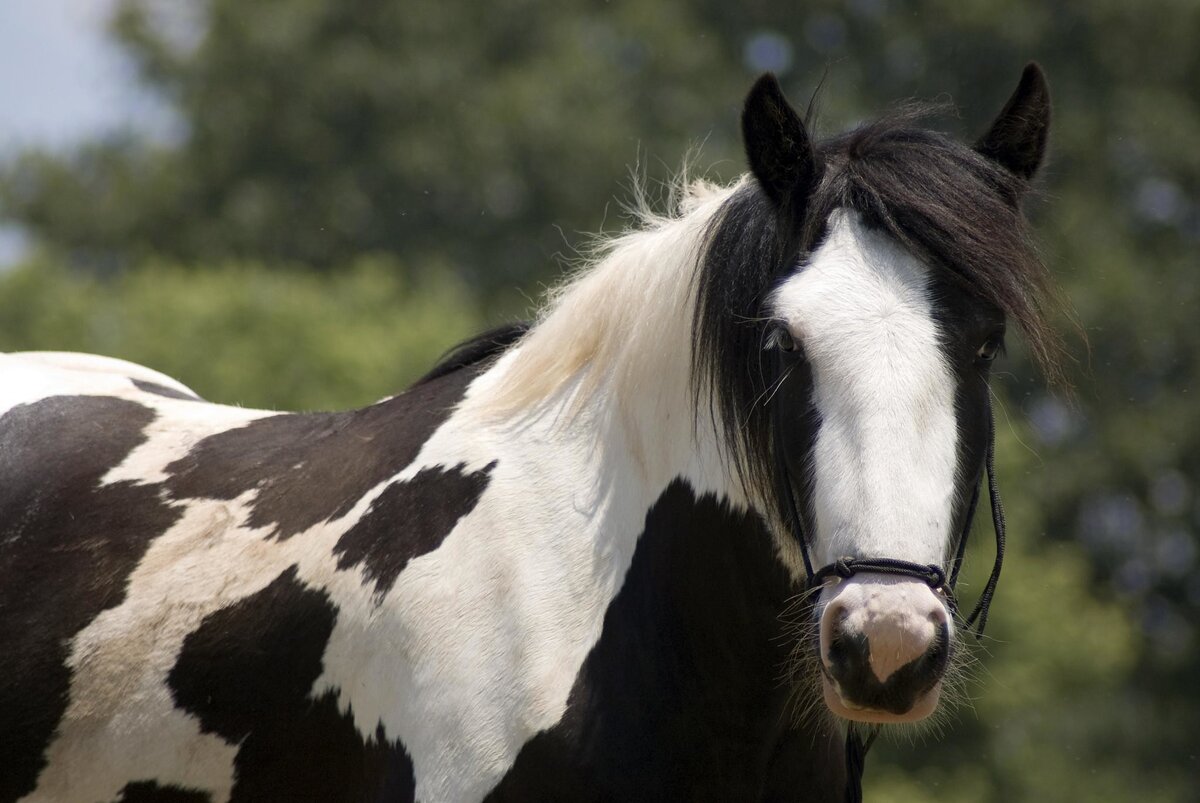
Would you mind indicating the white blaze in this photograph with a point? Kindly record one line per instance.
(885, 455)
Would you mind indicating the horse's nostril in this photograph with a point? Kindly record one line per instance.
(938, 655)
(836, 613)
(848, 654)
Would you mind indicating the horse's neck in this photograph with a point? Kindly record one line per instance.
(612, 544)
(682, 693)
(605, 541)
(677, 653)
(594, 456)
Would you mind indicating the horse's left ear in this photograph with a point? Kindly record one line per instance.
(1017, 138)
(777, 144)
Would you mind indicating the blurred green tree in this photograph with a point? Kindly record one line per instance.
(312, 132)
(243, 334)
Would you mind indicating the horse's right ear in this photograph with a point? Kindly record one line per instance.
(1017, 138)
(777, 145)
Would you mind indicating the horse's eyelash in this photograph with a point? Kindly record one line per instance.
(775, 336)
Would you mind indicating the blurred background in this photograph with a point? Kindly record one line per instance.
(301, 204)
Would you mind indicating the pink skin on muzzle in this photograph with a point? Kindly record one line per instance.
(884, 645)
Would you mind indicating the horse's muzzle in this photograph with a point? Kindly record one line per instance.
(884, 648)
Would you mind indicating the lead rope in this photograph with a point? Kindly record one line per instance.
(856, 759)
(846, 567)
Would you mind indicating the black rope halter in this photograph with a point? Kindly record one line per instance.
(933, 575)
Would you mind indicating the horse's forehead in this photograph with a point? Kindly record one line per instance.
(859, 297)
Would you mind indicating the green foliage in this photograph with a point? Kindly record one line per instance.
(243, 334)
(315, 132)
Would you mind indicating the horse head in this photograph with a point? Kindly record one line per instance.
(879, 268)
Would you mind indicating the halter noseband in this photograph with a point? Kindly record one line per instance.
(931, 574)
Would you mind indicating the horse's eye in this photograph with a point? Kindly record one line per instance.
(782, 339)
(991, 348)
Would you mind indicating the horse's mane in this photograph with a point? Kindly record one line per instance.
(475, 350)
(697, 279)
(622, 319)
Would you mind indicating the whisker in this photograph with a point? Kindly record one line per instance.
(1011, 427)
(772, 389)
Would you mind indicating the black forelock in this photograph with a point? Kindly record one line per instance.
(950, 206)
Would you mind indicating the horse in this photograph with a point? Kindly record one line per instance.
(575, 560)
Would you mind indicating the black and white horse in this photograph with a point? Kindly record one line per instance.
(558, 566)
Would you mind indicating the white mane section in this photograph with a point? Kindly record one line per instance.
(587, 420)
(623, 325)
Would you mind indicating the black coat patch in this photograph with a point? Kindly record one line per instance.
(682, 698)
(67, 547)
(314, 467)
(424, 509)
(151, 792)
(246, 673)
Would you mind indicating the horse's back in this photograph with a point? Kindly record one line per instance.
(171, 572)
(67, 424)
(77, 428)
(25, 375)
(79, 509)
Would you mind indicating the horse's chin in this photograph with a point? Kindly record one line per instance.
(923, 707)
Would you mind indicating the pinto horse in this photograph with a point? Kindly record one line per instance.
(559, 566)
